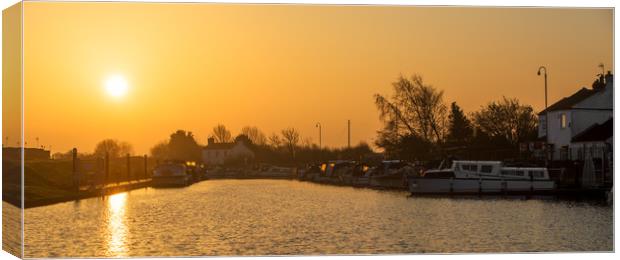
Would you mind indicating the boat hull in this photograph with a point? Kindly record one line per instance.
(419, 185)
(170, 181)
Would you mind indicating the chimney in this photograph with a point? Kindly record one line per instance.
(609, 79)
(210, 141)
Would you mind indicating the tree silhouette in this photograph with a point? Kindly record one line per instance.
(415, 108)
(182, 146)
(507, 121)
(460, 129)
(274, 141)
(221, 134)
(160, 151)
(414, 115)
(291, 140)
(255, 135)
(113, 148)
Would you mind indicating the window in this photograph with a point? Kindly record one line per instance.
(563, 120)
(469, 167)
(486, 168)
(537, 174)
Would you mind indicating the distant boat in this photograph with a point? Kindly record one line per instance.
(268, 171)
(171, 174)
(391, 174)
(481, 177)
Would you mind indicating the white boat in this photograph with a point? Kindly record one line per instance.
(171, 174)
(481, 177)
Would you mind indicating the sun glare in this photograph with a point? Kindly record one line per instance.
(116, 86)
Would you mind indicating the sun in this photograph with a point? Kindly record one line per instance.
(116, 86)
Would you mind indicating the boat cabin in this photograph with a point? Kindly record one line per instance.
(333, 167)
(487, 169)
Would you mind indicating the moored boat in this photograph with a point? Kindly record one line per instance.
(481, 177)
(275, 172)
(171, 174)
(391, 174)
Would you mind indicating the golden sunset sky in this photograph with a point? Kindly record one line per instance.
(192, 66)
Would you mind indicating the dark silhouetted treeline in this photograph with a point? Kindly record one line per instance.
(418, 125)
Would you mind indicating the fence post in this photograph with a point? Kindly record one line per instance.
(128, 168)
(76, 177)
(145, 167)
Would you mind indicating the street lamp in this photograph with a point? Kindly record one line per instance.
(319, 126)
(544, 70)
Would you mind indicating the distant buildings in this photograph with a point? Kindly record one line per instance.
(580, 128)
(220, 153)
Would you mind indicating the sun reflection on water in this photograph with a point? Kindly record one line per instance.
(116, 224)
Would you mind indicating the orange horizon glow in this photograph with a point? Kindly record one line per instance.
(193, 66)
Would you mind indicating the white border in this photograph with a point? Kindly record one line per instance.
(507, 3)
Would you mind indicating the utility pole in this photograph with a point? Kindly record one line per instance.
(349, 133)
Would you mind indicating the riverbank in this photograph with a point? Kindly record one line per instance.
(55, 187)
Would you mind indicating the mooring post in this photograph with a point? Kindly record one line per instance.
(128, 168)
(107, 168)
(76, 177)
(145, 167)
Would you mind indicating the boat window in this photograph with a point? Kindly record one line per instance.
(469, 167)
(520, 173)
(486, 168)
(537, 174)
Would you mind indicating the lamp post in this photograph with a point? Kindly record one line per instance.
(319, 126)
(544, 70)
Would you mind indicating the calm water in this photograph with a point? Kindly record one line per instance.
(275, 217)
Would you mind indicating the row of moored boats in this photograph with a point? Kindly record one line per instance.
(451, 177)
(456, 177)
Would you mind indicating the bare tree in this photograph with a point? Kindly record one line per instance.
(113, 148)
(291, 140)
(307, 142)
(415, 108)
(255, 135)
(275, 141)
(507, 119)
(221, 134)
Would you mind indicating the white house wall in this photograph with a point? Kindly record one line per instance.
(541, 126)
(559, 136)
(219, 156)
(583, 119)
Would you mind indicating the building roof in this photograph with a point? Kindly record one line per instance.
(220, 146)
(569, 102)
(596, 132)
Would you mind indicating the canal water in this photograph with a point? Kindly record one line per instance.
(284, 217)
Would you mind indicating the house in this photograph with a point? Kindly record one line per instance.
(571, 116)
(220, 153)
(594, 147)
